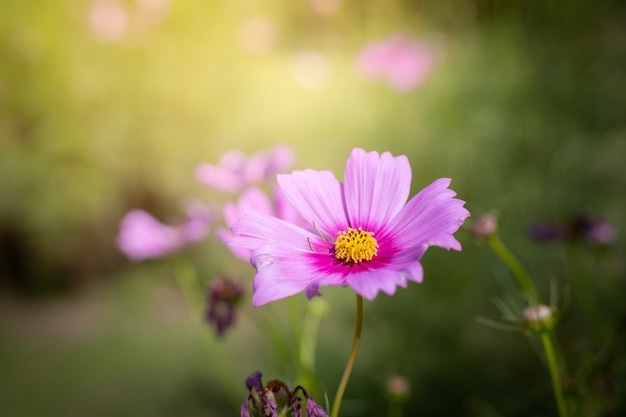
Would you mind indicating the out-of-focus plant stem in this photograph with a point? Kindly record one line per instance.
(548, 348)
(316, 310)
(522, 276)
(528, 286)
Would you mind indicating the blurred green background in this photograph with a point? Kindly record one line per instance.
(107, 106)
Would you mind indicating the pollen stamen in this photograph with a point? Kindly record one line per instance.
(355, 245)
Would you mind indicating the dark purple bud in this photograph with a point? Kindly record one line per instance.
(544, 232)
(254, 381)
(579, 228)
(313, 291)
(224, 296)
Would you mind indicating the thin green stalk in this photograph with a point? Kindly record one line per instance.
(527, 285)
(308, 343)
(355, 348)
(515, 266)
(554, 373)
(190, 287)
(316, 310)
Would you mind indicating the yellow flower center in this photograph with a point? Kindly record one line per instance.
(353, 246)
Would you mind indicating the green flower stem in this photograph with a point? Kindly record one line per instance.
(355, 348)
(546, 341)
(190, 287)
(316, 310)
(515, 266)
(527, 285)
(306, 354)
(310, 326)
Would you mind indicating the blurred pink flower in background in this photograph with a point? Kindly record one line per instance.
(236, 170)
(115, 21)
(108, 20)
(325, 7)
(402, 62)
(199, 219)
(142, 237)
(255, 199)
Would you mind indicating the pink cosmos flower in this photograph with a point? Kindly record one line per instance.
(368, 237)
(235, 170)
(143, 237)
(403, 63)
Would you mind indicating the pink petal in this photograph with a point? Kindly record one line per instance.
(251, 199)
(257, 167)
(255, 199)
(376, 187)
(254, 230)
(283, 257)
(318, 197)
(142, 236)
(413, 271)
(194, 230)
(233, 161)
(226, 236)
(232, 212)
(281, 272)
(429, 218)
(411, 63)
(369, 282)
(373, 59)
(218, 177)
(286, 211)
(281, 159)
(199, 221)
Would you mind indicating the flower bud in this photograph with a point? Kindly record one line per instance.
(539, 318)
(398, 388)
(224, 295)
(277, 399)
(485, 225)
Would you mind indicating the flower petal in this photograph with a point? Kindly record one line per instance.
(413, 271)
(283, 257)
(255, 229)
(225, 236)
(281, 272)
(218, 177)
(317, 195)
(376, 187)
(430, 218)
(286, 211)
(256, 167)
(253, 198)
(368, 282)
(143, 237)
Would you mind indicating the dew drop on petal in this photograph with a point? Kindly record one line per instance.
(262, 261)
